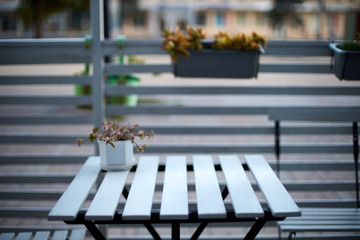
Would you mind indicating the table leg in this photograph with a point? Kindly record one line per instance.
(277, 147)
(175, 231)
(356, 160)
(198, 231)
(203, 225)
(259, 224)
(255, 229)
(95, 232)
(152, 231)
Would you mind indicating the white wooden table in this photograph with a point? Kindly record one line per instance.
(174, 206)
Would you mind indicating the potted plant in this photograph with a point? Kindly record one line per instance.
(346, 59)
(116, 144)
(224, 57)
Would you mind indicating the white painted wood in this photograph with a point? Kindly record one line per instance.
(44, 119)
(6, 236)
(97, 37)
(325, 222)
(208, 195)
(41, 235)
(23, 236)
(38, 138)
(277, 197)
(60, 235)
(233, 90)
(321, 228)
(114, 69)
(174, 204)
(14, 80)
(185, 110)
(327, 114)
(310, 211)
(70, 202)
(77, 234)
(243, 197)
(107, 197)
(50, 99)
(139, 203)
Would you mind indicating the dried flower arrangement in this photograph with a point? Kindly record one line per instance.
(112, 131)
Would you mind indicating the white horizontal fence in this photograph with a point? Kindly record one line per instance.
(275, 48)
(60, 51)
(27, 52)
(73, 51)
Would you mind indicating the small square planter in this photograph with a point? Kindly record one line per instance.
(345, 63)
(120, 157)
(210, 63)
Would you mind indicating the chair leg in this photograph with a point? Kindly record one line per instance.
(291, 234)
(277, 147)
(279, 233)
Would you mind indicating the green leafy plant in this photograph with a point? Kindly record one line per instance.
(259, 39)
(132, 59)
(176, 42)
(195, 37)
(238, 42)
(351, 45)
(222, 41)
(113, 131)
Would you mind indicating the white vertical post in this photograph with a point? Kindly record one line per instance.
(98, 85)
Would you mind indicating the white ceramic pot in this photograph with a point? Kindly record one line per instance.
(119, 158)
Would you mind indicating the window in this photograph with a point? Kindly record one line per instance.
(241, 18)
(140, 19)
(220, 19)
(335, 20)
(79, 20)
(182, 24)
(8, 22)
(261, 19)
(201, 19)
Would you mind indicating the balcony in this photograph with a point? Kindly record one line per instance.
(41, 118)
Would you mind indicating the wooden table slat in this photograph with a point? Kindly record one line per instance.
(105, 202)
(243, 197)
(139, 202)
(279, 200)
(24, 236)
(60, 235)
(6, 236)
(72, 199)
(174, 204)
(41, 235)
(77, 234)
(209, 200)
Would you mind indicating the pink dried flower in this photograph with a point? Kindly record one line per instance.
(112, 131)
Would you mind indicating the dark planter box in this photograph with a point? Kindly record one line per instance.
(346, 63)
(209, 63)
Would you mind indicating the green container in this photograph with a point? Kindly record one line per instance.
(80, 90)
(128, 100)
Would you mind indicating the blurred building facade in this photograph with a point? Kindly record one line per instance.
(67, 23)
(338, 19)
